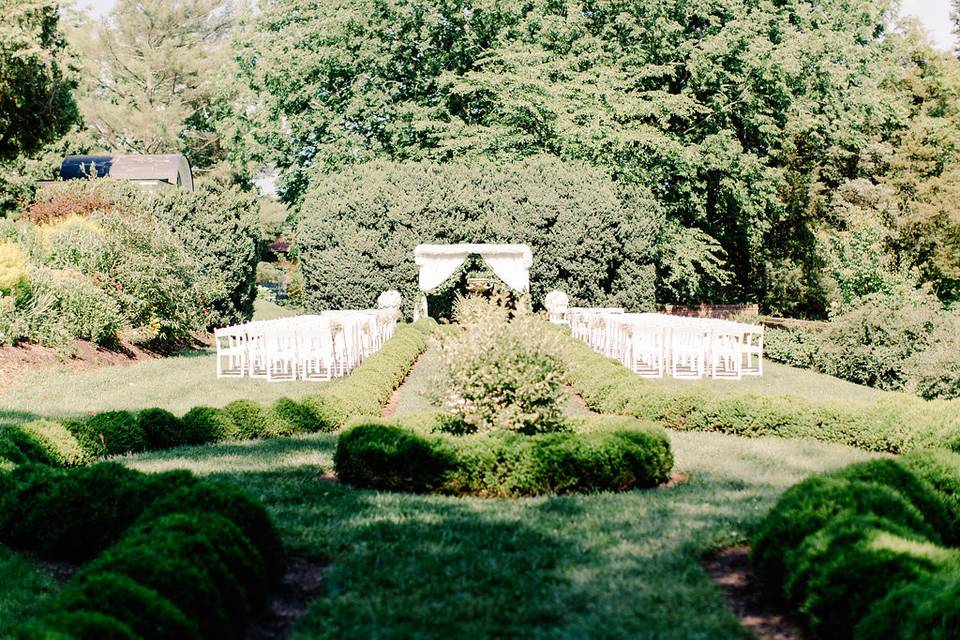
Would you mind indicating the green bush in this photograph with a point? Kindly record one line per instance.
(249, 418)
(289, 417)
(615, 456)
(381, 456)
(840, 571)
(795, 347)
(176, 557)
(941, 470)
(20, 447)
(935, 371)
(207, 424)
(71, 514)
(359, 227)
(162, 429)
(226, 501)
(221, 228)
(810, 505)
(60, 446)
(148, 614)
(917, 491)
(924, 608)
(75, 306)
(109, 433)
(76, 625)
(500, 372)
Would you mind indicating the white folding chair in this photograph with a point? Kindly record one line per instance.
(231, 348)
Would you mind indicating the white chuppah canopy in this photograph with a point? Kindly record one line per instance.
(437, 262)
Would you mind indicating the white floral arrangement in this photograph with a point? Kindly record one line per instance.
(556, 301)
(390, 300)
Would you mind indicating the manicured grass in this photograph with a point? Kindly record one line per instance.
(780, 379)
(609, 565)
(176, 384)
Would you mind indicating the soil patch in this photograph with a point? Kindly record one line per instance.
(301, 584)
(20, 362)
(730, 570)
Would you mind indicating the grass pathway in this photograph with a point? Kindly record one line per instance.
(602, 566)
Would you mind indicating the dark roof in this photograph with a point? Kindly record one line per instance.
(172, 168)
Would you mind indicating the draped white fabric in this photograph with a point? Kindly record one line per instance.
(437, 268)
(437, 262)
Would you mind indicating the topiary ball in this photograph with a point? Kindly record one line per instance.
(162, 429)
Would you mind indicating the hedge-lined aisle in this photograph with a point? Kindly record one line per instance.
(626, 563)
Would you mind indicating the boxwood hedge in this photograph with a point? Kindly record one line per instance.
(75, 442)
(895, 424)
(859, 551)
(173, 557)
(621, 456)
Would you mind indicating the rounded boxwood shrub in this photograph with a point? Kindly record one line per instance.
(60, 447)
(384, 456)
(76, 625)
(146, 612)
(173, 556)
(234, 505)
(162, 429)
(250, 420)
(71, 515)
(843, 569)
(18, 447)
(808, 506)
(941, 469)
(207, 424)
(291, 417)
(109, 433)
(924, 608)
(917, 491)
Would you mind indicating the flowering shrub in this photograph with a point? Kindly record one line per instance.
(500, 371)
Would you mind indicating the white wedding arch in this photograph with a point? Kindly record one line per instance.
(437, 262)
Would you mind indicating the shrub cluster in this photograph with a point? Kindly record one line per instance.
(362, 393)
(611, 455)
(104, 260)
(869, 551)
(500, 371)
(359, 226)
(167, 556)
(894, 424)
(901, 341)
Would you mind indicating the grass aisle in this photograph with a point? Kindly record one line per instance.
(600, 566)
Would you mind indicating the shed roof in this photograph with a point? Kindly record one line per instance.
(172, 168)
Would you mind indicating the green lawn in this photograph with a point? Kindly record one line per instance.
(610, 565)
(602, 566)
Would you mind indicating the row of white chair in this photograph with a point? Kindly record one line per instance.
(307, 347)
(654, 345)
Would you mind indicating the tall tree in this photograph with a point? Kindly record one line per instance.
(36, 77)
(154, 76)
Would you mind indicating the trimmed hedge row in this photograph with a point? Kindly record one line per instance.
(869, 551)
(363, 392)
(617, 455)
(895, 425)
(167, 556)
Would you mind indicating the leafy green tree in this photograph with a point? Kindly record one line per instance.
(36, 78)
(155, 76)
(721, 108)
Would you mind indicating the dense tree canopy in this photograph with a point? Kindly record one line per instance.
(741, 116)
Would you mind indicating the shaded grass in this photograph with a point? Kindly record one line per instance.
(23, 589)
(606, 565)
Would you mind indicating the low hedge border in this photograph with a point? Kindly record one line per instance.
(894, 425)
(363, 392)
(869, 551)
(167, 555)
(616, 454)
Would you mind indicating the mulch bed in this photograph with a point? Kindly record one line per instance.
(730, 570)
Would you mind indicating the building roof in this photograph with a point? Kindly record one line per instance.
(172, 168)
